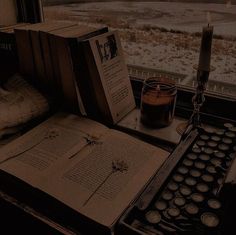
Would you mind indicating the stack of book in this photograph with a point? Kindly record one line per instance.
(83, 66)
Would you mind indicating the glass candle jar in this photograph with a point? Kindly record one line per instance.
(158, 100)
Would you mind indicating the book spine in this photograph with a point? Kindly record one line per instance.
(38, 58)
(25, 54)
(47, 60)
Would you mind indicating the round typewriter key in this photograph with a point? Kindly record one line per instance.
(195, 173)
(196, 150)
(192, 156)
(200, 165)
(215, 138)
(191, 209)
(172, 186)
(209, 219)
(220, 132)
(178, 178)
(203, 188)
(179, 201)
(204, 157)
(207, 178)
(161, 205)
(223, 147)
(233, 129)
(167, 195)
(230, 134)
(197, 197)
(187, 162)
(190, 181)
(212, 144)
(211, 169)
(219, 154)
(185, 191)
(227, 140)
(228, 125)
(201, 143)
(182, 170)
(209, 130)
(208, 150)
(214, 204)
(216, 161)
(204, 137)
(153, 217)
(173, 212)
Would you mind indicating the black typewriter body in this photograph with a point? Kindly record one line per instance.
(184, 197)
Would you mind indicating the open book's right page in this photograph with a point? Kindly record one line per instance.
(106, 177)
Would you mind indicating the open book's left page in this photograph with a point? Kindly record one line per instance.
(45, 149)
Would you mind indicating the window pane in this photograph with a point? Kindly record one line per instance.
(164, 37)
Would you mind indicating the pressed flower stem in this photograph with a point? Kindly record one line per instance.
(99, 186)
(18, 154)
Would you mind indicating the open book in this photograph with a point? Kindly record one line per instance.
(95, 171)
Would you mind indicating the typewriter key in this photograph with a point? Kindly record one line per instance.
(195, 173)
(185, 191)
(214, 203)
(219, 154)
(210, 219)
(153, 217)
(200, 165)
(190, 181)
(230, 134)
(211, 169)
(209, 130)
(201, 143)
(204, 137)
(172, 186)
(192, 156)
(212, 144)
(233, 129)
(196, 150)
(204, 157)
(167, 195)
(228, 125)
(220, 132)
(223, 147)
(227, 140)
(197, 197)
(191, 209)
(207, 178)
(208, 150)
(203, 188)
(215, 161)
(182, 170)
(187, 162)
(178, 178)
(161, 205)
(173, 212)
(179, 201)
(215, 138)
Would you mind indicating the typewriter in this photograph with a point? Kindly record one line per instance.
(187, 194)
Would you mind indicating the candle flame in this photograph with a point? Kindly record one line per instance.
(208, 17)
(228, 4)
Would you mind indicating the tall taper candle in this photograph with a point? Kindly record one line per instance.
(205, 51)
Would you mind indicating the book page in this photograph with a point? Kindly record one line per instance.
(113, 73)
(107, 177)
(35, 156)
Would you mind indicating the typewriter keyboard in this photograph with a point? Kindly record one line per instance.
(188, 201)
